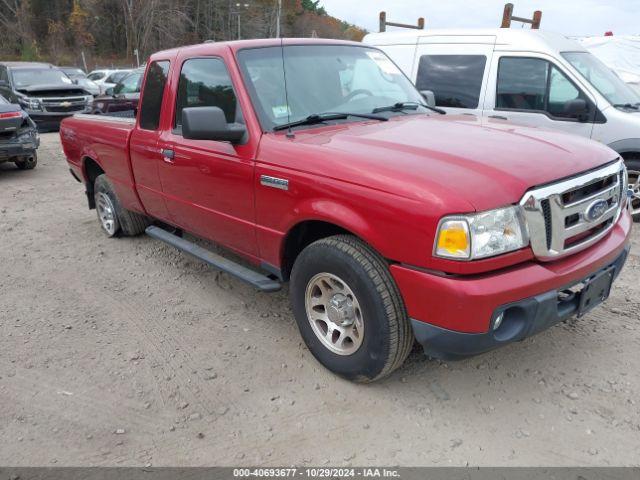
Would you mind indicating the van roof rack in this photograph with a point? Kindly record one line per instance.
(384, 23)
(507, 17)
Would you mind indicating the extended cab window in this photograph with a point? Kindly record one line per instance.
(534, 84)
(205, 82)
(456, 80)
(152, 95)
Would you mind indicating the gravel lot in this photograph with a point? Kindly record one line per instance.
(126, 352)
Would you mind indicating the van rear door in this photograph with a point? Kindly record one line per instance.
(455, 69)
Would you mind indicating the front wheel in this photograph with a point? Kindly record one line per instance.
(349, 310)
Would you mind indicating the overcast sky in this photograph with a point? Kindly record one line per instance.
(570, 17)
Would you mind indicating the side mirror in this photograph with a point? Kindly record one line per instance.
(75, 81)
(576, 108)
(209, 123)
(429, 97)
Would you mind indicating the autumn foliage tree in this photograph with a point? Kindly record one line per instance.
(108, 31)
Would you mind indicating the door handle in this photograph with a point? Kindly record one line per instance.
(498, 117)
(168, 155)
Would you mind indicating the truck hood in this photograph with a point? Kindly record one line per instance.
(419, 156)
(54, 89)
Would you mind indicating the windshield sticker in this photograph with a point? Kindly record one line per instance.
(384, 63)
(281, 111)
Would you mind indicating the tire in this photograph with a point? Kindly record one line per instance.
(632, 162)
(27, 163)
(114, 219)
(363, 291)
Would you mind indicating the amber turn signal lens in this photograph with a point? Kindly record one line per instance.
(453, 239)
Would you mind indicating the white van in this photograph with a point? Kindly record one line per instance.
(528, 77)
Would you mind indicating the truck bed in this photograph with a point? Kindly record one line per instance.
(106, 140)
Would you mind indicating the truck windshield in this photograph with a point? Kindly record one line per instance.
(26, 77)
(323, 78)
(603, 79)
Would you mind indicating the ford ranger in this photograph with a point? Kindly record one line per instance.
(319, 163)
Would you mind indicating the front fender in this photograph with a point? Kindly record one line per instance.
(398, 228)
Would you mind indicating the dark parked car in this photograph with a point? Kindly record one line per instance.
(123, 97)
(45, 92)
(18, 136)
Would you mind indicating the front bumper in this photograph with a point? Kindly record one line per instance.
(524, 319)
(452, 315)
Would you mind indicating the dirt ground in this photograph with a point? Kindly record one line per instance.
(126, 352)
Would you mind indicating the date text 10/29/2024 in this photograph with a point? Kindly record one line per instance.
(316, 472)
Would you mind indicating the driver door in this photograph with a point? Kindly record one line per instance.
(209, 185)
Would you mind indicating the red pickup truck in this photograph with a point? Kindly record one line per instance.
(320, 164)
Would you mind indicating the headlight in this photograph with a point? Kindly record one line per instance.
(30, 103)
(481, 235)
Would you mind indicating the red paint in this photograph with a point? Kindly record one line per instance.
(387, 182)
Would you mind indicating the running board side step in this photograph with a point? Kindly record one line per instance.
(258, 280)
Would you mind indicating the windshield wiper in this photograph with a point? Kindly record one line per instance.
(325, 117)
(627, 105)
(400, 106)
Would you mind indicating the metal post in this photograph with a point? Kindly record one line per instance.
(84, 61)
(238, 12)
(537, 18)
(506, 15)
(278, 19)
(383, 21)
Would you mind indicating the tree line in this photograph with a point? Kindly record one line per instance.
(108, 32)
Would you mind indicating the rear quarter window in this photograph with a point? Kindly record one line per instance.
(152, 95)
(456, 80)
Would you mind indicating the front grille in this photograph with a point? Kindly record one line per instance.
(72, 108)
(578, 194)
(570, 215)
(64, 104)
(546, 211)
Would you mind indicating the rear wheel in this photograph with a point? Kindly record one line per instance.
(27, 163)
(114, 219)
(633, 168)
(349, 310)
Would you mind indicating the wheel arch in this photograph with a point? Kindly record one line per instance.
(91, 169)
(631, 155)
(626, 147)
(307, 231)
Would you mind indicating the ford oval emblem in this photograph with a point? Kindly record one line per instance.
(596, 210)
